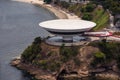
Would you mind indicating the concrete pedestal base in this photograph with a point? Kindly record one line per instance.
(67, 38)
(74, 41)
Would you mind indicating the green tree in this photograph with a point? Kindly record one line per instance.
(90, 7)
(112, 5)
(99, 55)
(37, 40)
(68, 52)
(111, 52)
(32, 51)
(99, 58)
(87, 16)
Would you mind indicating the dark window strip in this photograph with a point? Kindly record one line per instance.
(66, 33)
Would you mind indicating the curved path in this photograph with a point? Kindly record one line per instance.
(18, 27)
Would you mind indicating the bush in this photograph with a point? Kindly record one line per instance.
(99, 58)
(99, 55)
(90, 7)
(83, 9)
(111, 51)
(33, 51)
(37, 40)
(51, 53)
(75, 8)
(72, 8)
(87, 16)
(68, 52)
(54, 66)
(42, 64)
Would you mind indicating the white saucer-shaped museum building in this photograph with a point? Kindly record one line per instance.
(65, 30)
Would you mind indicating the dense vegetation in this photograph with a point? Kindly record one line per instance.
(68, 52)
(112, 5)
(109, 51)
(32, 51)
(95, 11)
(48, 59)
(90, 12)
(52, 58)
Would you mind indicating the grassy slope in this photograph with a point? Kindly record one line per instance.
(101, 18)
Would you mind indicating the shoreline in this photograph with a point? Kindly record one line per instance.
(40, 74)
(37, 73)
(57, 11)
(32, 70)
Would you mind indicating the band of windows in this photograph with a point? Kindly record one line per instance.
(65, 33)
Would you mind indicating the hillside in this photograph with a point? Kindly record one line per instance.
(90, 11)
(71, 63)
(101, 18)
